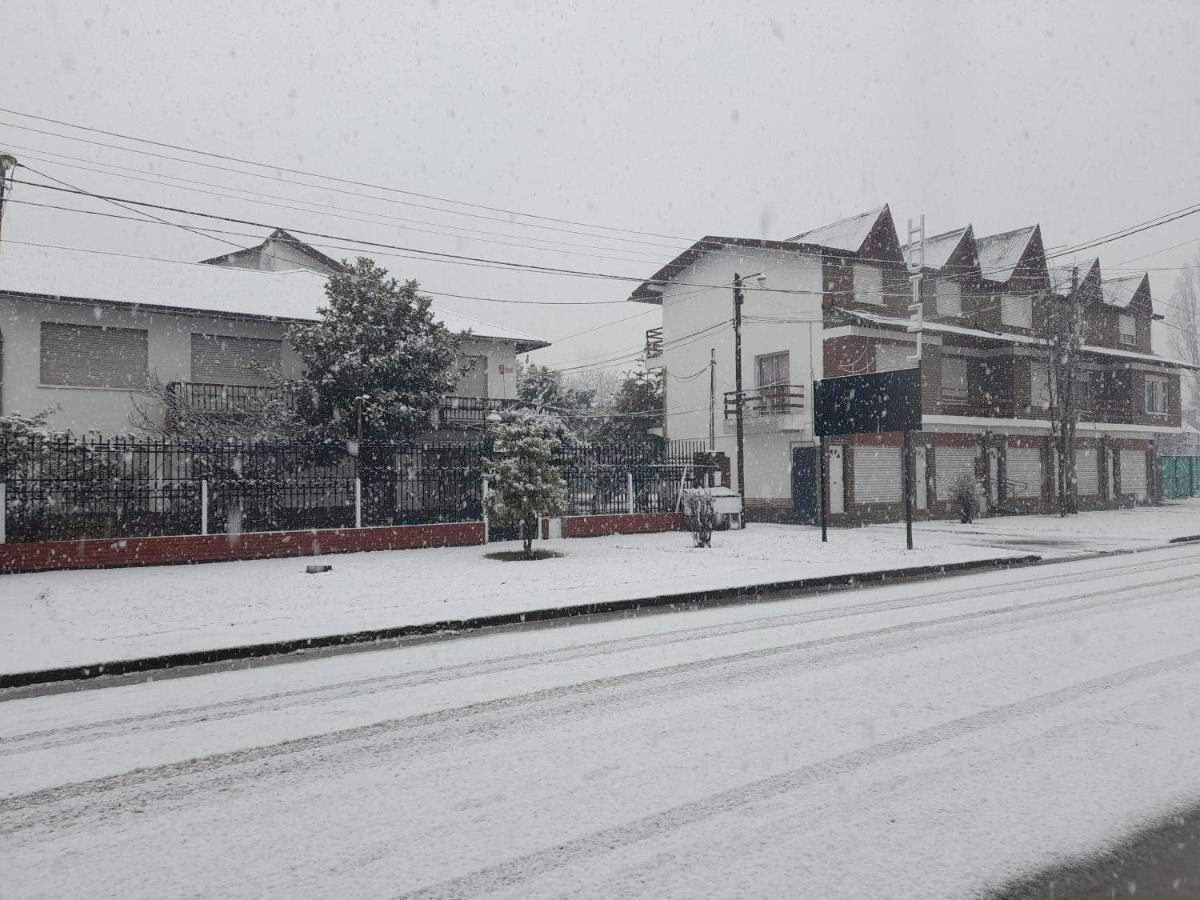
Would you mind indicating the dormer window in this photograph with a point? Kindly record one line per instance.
(1127, 325)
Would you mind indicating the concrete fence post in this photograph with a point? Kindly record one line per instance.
(483, 507)
(3, 510)
(629, 490)
(357, 502)
(204, 506)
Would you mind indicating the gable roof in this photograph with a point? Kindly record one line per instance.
(845, 234)
(646, 293)
(322, 261)
(941, 247)
(1000, 254)
(195, 288)
(1060, 276)
(1119, 292)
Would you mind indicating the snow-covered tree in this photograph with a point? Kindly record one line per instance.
(522, 479)
(636, 407)
(377, 363)
(1183, 318)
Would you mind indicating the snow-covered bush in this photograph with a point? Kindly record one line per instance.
(523, 482)
(700, 515)
(964, 497)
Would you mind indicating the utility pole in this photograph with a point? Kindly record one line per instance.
(916, 266)
(738, 298)
(712, 400)
(8, 162)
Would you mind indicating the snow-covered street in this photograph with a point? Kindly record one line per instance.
(917, 740)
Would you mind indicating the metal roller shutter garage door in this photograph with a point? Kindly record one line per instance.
(949, 463)
(1133, 473)
(877, 476)
(1087, 473)
(1024, 466)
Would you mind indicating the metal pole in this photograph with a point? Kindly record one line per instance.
(3, 510)
(738, 298)
(629, 490)
(357, 502)
(824, 495)
(204, 506)
(906, 460)
(712, 400)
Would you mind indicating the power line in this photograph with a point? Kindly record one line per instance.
(365, 218)
(307, 174)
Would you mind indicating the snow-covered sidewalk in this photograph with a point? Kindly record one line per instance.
(54, 619)
(57, 619)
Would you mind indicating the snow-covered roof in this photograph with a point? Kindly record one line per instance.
(1119, 292)
(939, 247)
(194, 287)
(1008, 338)
(999, 254)
(845, 234)
(1060, 276)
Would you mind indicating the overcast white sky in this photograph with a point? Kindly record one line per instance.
(680, 118)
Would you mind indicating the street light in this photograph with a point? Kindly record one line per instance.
(739, 298)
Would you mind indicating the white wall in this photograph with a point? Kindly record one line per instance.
(169, 344)
(687, 309)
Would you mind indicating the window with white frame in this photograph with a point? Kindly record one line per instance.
(1128, 328)
(868, 284)
(774, 373)
(1016, 311)
(949, 297)
(1156, 395)
(1039, 387)
(954, 379)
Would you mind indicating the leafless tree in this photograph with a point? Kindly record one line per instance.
(160, 410)
(1183, 317)
(1061, 331)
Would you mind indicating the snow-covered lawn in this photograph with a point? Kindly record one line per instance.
(70, 618)
(78, 618)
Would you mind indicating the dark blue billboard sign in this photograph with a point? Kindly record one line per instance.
(868, 404)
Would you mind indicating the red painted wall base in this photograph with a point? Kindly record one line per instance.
(635, 523)
(155, 551)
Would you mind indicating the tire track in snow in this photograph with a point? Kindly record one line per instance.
(524, 868)
(160, 721)
(90, 803)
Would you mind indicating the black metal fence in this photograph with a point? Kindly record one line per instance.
(62, 488)
(631, 477)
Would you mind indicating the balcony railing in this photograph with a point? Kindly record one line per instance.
(472, 412)
(654, 343)
(231, 398)
(774, 400)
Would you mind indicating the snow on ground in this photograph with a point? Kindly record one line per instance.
(907, 741)
(78, 618)
(1107, 530)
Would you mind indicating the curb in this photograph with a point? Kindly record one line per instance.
(745, 593)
